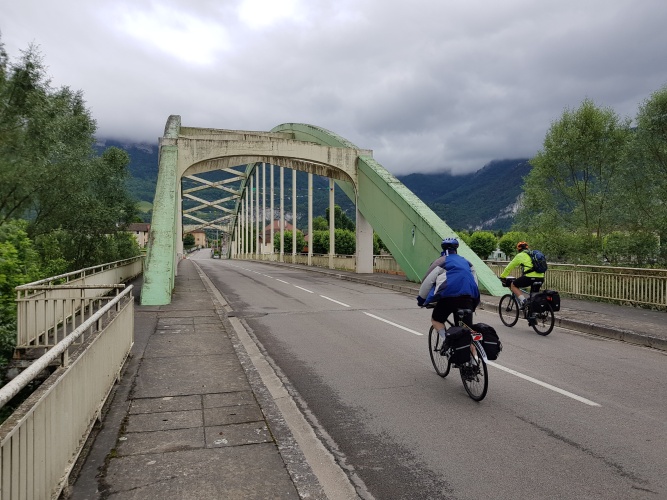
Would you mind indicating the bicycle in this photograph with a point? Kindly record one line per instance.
(474, 373)
(540, 317)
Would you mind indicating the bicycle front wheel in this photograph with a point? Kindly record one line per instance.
(508, 309)
(440, 362)
(475, 377)
(544, 321)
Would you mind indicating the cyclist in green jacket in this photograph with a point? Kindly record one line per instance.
(527, 275)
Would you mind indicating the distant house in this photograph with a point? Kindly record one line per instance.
(265, 238)
(140, 230)
(200, 237)
(276, 229)
(498, 254)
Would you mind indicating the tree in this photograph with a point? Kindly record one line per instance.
(49, 173)
(46, 139)
(464, 236)
(19, 264)
(320, 223)
(346, 241)
(573, 187)
(300, 241)
(631, 248)
(341, 220)
(508, 241)
(321, 241)
(645, 171)
(99, 210)
(188, 241)
(483, 243)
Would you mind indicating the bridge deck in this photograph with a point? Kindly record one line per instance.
(201, 401)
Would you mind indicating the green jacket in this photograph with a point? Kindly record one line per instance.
(521, 259)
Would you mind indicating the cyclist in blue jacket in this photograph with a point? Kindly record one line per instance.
(451, 281)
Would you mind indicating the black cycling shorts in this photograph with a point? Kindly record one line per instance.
(449, 305)
(526, 281)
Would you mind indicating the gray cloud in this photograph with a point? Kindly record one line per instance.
(428, 85)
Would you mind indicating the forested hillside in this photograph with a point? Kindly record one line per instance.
(479, 200)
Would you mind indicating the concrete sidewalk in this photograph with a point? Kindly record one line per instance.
(192, 418)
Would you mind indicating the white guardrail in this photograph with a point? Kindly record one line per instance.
(636, 286)
(43, 437)
(48, 308)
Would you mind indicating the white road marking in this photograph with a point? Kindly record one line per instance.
(393, 324)
(544, 384)
(333, 300)
(304, 289)
(282, 281)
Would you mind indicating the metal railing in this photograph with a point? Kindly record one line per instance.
(342, 262)
(637, 286)
(49, 306)
(41, 441)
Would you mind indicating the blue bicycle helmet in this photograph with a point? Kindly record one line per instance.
(449, 244)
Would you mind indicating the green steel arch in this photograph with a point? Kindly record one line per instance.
(410, 230)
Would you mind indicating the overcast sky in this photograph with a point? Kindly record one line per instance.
(428, 85)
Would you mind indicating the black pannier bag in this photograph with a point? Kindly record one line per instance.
(538, 303)
(553, 298)
(459, 339)
(490, 341)
(540, 300)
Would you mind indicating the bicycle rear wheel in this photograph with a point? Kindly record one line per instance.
(508, 309)
(475, 377)
(440, 362)
(544, 321)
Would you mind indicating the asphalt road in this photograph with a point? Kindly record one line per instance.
(566, 416)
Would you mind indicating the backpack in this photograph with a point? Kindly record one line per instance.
(539, 262)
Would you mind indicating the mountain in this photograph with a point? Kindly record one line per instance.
(485, 199)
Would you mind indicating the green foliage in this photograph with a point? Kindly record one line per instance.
(508, 241)
(464, 236)
(345, 242)
(46, 138)
(341, 220)
(321, 241)
(62, 207)
(638, 248)
(19, 264)
(320, 223)
(378, 245)
(188, 241)
(483, 243)
(300, 242)
(576, 182)
(645, 187)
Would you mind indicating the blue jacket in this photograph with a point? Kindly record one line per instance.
(448, 276)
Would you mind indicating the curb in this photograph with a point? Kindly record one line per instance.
(628, 336)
